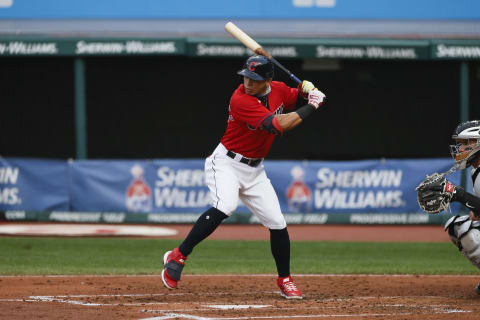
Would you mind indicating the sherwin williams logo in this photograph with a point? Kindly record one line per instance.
(139, 196)
(358, 189)
(125, 47)
(6, 3)
(181, 188)
(9, 192)
(28, 48)
(444, 51)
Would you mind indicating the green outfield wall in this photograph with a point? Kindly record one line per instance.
(401, 49)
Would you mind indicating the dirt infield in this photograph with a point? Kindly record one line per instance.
(202, 297)
(375, 233)
(239, 297)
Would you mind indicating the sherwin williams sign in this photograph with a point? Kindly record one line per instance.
(178, 186)
(33, 184)
(372, 49)
(87, 47)
(316, 48)
(139, 186)
(455, 49)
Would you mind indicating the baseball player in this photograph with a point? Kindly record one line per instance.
(259, 109)
(464, 231)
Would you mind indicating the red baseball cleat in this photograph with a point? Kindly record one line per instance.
(288, 288)
(173, 262)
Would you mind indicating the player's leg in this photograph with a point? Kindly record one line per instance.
(223, 186)
(262, 200)
(174, 260)
(465, 234)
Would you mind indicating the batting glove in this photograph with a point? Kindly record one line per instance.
(316, 98)
(304, 88)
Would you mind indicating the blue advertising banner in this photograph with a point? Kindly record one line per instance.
(33, 184)
(178, 186)
(175, 186)
(246, 9)
(98, 185)
(371, 186)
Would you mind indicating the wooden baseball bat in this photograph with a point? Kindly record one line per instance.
(253, 45)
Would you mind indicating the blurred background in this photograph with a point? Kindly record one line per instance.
(146, 79)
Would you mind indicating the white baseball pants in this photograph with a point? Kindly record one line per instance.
(230, 180)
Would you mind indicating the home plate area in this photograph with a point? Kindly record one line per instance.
(163, 306)
(349, 308)
(225, 297)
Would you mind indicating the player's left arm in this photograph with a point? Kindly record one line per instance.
(457, 194)
(469, 200)
(279, 123)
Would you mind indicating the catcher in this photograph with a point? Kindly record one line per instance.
(435, 193)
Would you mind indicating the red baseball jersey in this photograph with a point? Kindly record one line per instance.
(244, 134)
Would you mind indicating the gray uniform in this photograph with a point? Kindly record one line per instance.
(464, 232)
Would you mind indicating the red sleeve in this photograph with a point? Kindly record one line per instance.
(277, 125)
(248, 109)
(290, 96)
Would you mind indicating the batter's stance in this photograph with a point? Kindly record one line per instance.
(235, 169)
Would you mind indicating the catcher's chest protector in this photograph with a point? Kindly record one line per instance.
(476, 181)
(465, 234)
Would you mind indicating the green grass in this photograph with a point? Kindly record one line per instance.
(42, 256)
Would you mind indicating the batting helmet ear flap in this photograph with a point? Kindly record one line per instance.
(257, 68)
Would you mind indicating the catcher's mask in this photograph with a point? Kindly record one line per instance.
(467, 144)
(257, 68)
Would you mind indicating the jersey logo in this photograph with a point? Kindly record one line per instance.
(279, 110)
(230, 116)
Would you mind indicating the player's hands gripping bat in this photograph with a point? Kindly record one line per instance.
(304, 88)
(315, 98)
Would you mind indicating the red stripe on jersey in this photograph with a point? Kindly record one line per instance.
(277, 125)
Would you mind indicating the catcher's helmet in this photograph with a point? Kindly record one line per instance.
(469, 131)
(257, 68)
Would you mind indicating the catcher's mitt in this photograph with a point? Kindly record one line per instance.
(435, 193)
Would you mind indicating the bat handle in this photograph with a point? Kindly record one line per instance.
(291, 75)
